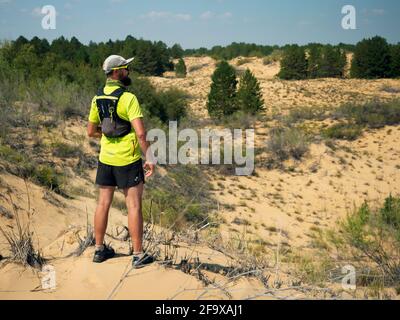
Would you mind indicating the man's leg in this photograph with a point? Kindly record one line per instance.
(133, 198)
(101, 217)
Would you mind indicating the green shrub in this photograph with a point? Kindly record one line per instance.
(306, 113)
(285, 143)
(10, 155)
(180, 198)
(343, 131)
(174, 102)
(48, 177)
(165, 106)
(24, 167)
(375, 114)
(64, 150)
(374, 235)
(390, 212)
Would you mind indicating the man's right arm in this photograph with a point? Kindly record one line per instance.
(93, 129)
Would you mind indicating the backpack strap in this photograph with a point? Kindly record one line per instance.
(115, 94)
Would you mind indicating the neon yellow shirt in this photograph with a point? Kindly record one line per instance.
(123, 151)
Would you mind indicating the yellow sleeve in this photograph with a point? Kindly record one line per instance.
(94, 113)
(134, 111)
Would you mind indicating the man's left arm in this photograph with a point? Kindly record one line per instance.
(136, 118)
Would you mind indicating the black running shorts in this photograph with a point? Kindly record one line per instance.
(121, 177)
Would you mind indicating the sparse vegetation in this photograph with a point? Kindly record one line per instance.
(64, 150)
(275, 56)
(181, 198)
(343, 131)
(20, 241)
(285, 143)
(374, 114)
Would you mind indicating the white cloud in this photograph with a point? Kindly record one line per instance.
(378, 12)
(36, 12)
(374, 12)
(165, 15)
(207, 15)
(226, 15)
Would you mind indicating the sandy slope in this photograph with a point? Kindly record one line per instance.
(281, 208)
(325, 185)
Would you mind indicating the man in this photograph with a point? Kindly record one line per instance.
(116, 118)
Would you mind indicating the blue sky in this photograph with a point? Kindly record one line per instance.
(197, 23)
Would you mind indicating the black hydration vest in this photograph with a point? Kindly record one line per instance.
(112, 126)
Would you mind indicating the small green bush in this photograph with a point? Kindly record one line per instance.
(343, 131)
(374, 235)
(307, 113)
(180, 198)
(48, 177)
(390, 212)
(174, 102)
(375, 114)
(285, 143)
(24, 167)
(64, 150)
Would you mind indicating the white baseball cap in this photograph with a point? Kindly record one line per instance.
(115, 62)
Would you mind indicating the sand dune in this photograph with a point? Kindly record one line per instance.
(281, 208)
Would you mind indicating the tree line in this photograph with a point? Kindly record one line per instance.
(69, 58)
(372, 58)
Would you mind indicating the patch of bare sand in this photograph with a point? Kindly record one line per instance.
(56, 229)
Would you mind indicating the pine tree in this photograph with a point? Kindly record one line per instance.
(180, 69)
(249, 95)
(314, 58)
(222, 96)
(176, 51)
(294, 64)
(332, 62)
(371, 59)
(395, 61)
(147, 60)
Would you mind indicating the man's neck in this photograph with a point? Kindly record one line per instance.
(114, 80)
